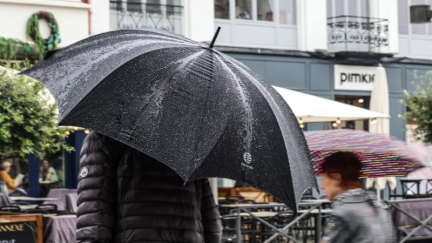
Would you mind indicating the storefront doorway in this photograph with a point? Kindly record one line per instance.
(359, 101)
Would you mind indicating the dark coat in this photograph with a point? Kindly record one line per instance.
(126, 196)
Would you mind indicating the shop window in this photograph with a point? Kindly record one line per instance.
(222, 9)
(358, 101)
(244, 9)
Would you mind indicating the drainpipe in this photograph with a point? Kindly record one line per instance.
(89, 16)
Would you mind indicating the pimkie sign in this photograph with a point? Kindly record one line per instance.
(354, 77)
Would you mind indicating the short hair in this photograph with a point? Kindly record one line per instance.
(346, 164)
(5, 164)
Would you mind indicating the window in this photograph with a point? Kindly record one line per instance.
(403, 16)
(418, 29)
(243, 9)
(222, 9)
(276, 11)
(265, 10)
(287, 12)
(347, 7)
(405, 25)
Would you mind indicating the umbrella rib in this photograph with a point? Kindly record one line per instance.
(198, 141)
(274, 106)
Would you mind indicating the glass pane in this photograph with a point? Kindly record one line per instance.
(244, 9)
(222, 9)
(329, 8)
(340, 8)
(153, 7)
(265, 10)
(418, 29)
(287, 12)
(134, 6)
(403, 16)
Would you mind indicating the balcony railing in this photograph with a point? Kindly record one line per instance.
(357, 34)
(136, 15)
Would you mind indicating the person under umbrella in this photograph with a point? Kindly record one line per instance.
(357, 215)
(196, 110)
(126, 196)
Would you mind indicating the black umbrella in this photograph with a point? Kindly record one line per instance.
(195, 109)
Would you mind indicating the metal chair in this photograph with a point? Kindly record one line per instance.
(3, 188)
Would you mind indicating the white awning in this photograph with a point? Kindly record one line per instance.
(310, 108)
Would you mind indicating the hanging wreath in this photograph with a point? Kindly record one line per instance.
(33, 31)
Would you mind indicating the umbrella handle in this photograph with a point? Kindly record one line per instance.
(215, 37)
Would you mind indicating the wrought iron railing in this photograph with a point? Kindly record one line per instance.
(354, 33)
(133, 14)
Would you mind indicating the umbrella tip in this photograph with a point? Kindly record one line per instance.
(215, 37)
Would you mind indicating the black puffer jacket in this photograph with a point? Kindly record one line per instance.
(126, 196)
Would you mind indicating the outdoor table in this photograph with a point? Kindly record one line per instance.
(5, 200)
(35, 199)
(60, 229)
(60, 193)
(27, 207)
(413, 217)
(245, 208)
(72, 202)
(258, 214)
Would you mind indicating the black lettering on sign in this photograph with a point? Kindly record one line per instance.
(355, 78)
(20, 232)
(343, 78)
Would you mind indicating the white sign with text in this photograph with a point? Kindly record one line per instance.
(354, 77)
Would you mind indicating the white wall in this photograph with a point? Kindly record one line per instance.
(198, 19)
(387, 9)
(99, 16)
(72, 18)
(312, 25)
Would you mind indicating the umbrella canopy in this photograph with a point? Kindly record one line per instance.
(310, 108)
(193, 108)
(380, 155)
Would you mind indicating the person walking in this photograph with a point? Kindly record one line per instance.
(357, 216)
(126, 196)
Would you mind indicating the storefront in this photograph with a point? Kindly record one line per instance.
(347, 79)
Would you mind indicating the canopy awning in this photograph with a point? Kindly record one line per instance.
(310, 108)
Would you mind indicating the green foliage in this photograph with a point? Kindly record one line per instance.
(51, 43)
(419, 108)
(27, 118)
(33, 30)
(8, 48)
